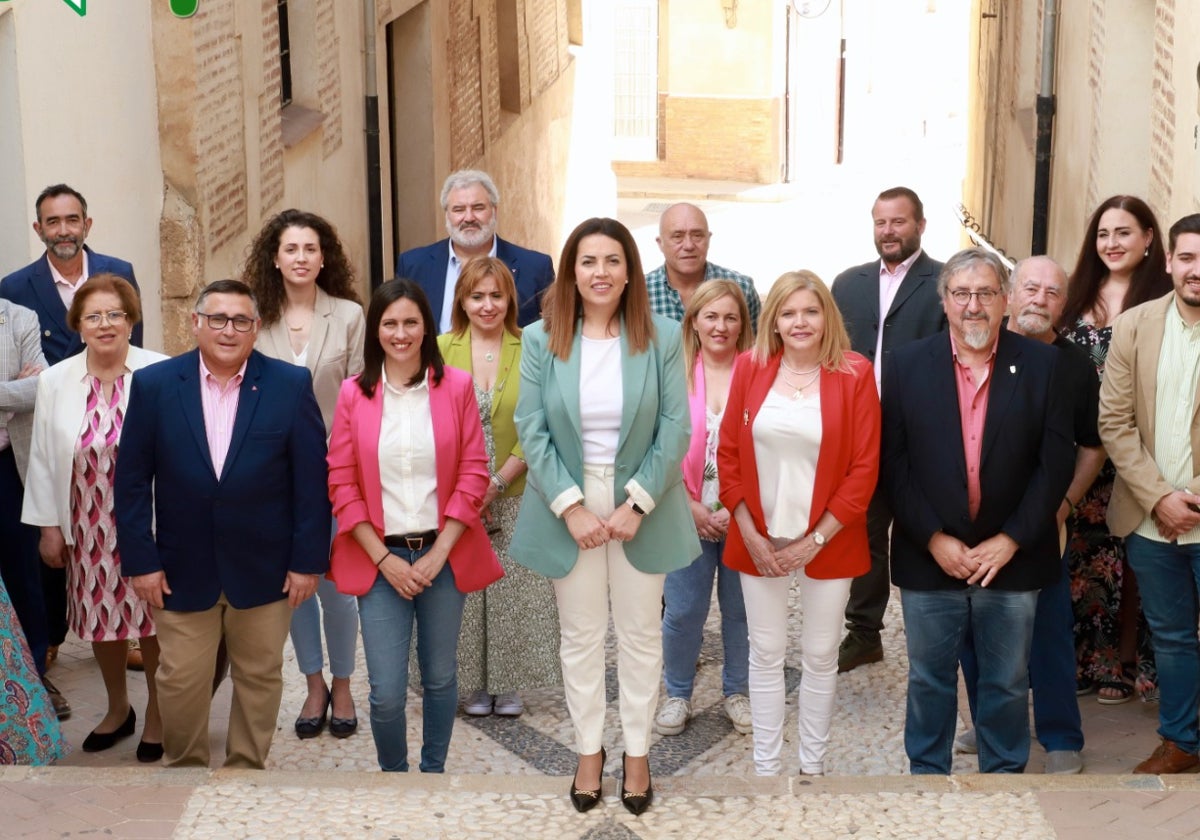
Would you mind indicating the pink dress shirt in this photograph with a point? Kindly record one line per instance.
(220, 409)
(972, 411)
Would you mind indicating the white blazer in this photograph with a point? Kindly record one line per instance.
(57, 418)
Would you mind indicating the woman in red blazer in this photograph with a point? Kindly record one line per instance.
(798, 459)
(407, 473)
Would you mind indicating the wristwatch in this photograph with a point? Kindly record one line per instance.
(818, 538)
(636, 508)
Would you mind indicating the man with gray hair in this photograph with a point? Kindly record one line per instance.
(469, 200)
(977, 454)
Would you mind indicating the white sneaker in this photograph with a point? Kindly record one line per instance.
(1063, 762)
(965, 743)
(478, 704)
(673, 716)
(508, 704)
(737, 706)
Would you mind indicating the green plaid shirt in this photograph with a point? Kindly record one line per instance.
(665, 301)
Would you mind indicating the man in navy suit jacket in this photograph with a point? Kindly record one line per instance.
(48, 284)
(978, 450)
(222, 520)
(469, 199)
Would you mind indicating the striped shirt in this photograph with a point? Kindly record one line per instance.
(220, 405)
(1174, 403)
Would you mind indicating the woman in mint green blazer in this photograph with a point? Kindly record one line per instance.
(509, 637)
(603, 420)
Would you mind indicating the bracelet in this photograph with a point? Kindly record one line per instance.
(379, 562)
(572, 509)
(499, 482)
(1070, 504)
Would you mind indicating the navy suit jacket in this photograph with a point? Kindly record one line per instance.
(33, 288)
(916, 310)
(1026, 462)
(239, 533)
(532, 271)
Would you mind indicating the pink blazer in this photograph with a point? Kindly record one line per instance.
(462, 478)
(693, 461)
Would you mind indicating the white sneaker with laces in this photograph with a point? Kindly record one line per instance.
(478, 704)
(673, 717)
(737, 706)
(508, 704)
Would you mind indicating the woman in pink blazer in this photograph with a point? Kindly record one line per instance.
(407, 473)
(798, 458)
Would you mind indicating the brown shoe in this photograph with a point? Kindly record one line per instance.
(51, 655)
(133, 658)
(1168, 758)
(61, 707)
(858, 650)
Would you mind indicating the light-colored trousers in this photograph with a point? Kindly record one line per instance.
(188, 643)
(822, 606)
(600, 575)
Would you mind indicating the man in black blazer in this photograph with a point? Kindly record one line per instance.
(469, 200)
(977, 454)
(902, 284)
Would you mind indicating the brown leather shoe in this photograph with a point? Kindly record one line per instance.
(61, 707)
(1168, 758)
(133, 658)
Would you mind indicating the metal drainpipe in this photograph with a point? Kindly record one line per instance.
(374, 169)
(1045, 132)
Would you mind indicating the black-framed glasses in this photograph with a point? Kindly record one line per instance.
(219, 321)
(113, 316)
(963, 296)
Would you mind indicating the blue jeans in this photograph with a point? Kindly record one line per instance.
(387, 628)
(1168, 576)
(1051, 669)
(687, 594)
(1000, 624)
(340, 613)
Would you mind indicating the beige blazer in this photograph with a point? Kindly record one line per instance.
(335, 348)
(57, 420)
(1127, 397)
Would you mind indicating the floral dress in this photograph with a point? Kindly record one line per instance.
(1097, 565)
(101, 605)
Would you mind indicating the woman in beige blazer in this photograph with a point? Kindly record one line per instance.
(311, 316)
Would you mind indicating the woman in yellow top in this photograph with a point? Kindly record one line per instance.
(509, 639)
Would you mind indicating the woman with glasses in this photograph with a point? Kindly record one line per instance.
(77, 421)
(311, 316)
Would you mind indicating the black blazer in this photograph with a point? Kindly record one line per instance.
(916, 310)
(1026, 463)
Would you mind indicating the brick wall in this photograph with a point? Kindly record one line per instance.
(1162, 108)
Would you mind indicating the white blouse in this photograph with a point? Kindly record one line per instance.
(407, 462)
(787, 440)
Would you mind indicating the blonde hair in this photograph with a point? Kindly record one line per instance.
(709, 292)
(474, 272)
(834, 342)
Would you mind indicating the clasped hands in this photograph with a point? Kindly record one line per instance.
(1176, 513)
(974, 565)
(590, 531)
(776, 558)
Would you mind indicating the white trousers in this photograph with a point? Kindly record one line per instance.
(823, 607)
(600, 575)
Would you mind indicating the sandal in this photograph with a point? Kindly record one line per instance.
(1123, 687)
(1085, 686)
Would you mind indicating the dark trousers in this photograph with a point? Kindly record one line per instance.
(869, 593)
(20, 567)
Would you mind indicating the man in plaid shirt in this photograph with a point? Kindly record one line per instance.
(683, 237)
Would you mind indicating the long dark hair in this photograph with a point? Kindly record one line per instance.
(373, 355)
(335, 276)
(1149, 278)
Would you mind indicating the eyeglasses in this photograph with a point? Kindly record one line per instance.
(985, 296)
(218, 321)
(94, 319)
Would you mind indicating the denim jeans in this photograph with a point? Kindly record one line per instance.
(687, 594)
(387, 628)
(340, 614)
(1056, 720)
(1001, 627)
(1168, 576)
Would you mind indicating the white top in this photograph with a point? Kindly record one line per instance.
(600, 399)
(407, 461)
(787, 439)
(300, 358)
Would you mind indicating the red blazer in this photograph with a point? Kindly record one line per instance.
(462, 478)
(847, 465)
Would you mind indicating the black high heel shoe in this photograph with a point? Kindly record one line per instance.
(636, 803)
(586, 800)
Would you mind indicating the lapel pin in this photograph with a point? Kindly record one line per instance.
(253, 387)
(746, 417)
(1012, 368)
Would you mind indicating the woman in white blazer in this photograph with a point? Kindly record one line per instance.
(311, 316)
(77, 420)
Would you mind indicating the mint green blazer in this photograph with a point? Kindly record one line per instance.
(456, 352)
(655, 432)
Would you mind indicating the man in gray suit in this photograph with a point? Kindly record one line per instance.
(900, 286)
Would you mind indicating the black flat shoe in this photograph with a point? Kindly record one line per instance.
(148, 752)
(311, 727)
(100, 741)
(343, 727)
(636, 803)
(586, 800)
